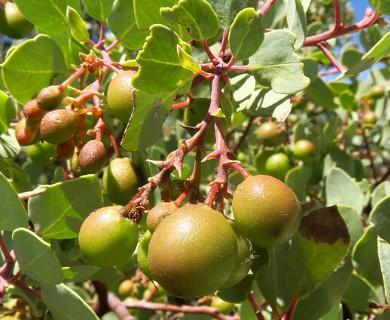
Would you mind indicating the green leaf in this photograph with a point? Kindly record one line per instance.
(228, 10)
(384, 261)
(298, 180)
(359, 294)
(9, 146)
(186, 60)
(98, 9)
(197, 16)
(7, 111)
(18, 178)
(340, 188)
(246, 34)
(122, 23)
(59, 212)
(353, 222)
(145, 125)
(32, 66)
(65, 304)
(296, 21)
(266, 279)
(380, 218)
(79, 273)
(77, 25)
(239, 292)
(317, 249)
(12, 213)
(160, 67)
(381, 191)
(147, 13)
(365, 257)
(381, 5)
(276, 65)
(35, 257)
(378, 52)
(327, 295)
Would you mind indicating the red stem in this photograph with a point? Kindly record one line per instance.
(252, 300)
(332, 59)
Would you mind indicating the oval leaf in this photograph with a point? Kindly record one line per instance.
(77, 25)
(380, 218)
(246, 34)
(35, 257)
(65, 304)
(12, 213)
(26, 70)
(98, 9)
(59, 212)
(317, 249)
(384, 261)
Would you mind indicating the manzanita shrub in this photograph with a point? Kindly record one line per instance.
(193, 159)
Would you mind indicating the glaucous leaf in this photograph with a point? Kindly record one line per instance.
(276, 65)
(381, 191)
(79, 273)
(160, 67)
(298, 179)
(246, 34)
(384, 261)
(379, 51)
(122, 23)
(147, 13)
(197, 16)
(296, 21)
(266, 279)
(145, 124)
(12, 213)
(59, 212)
(77, 25)
(317, 249)
(35, 257)
(98, 9)
(227, 10)
(9, 146)
(380, 218)
(327, 295)
(7, 111)
(26, 70)
(239, 292)
(340, 188)
(65, 304)
(353, 222)
(365, 257)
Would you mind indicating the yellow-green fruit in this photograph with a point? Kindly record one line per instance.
(41, 152)
(369, 117)
(376, 92)
(49, 98)
(120, 95)
(92, 157)
(12, 22)
(25, 134)
(304, 150)
(143, 252)
(277, 165)
(107, 238)
(266, 210)
(221, 305)
(121, 180)
(126, 288)
(191, 251)
(269, 134)
(158, 213)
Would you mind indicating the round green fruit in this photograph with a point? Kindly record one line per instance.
(49, 98)
(269, 134)
(266, 210)
(369, 117)
(41, 152)
(107, 238)
(12, 22)
(92, 157)
(126, 288)
(58, 126)
(143, 252)
(121, 180)
(158, 213)
(221, 305)
(277, 165)
(304, 150)
(120, 95)
(191, 251)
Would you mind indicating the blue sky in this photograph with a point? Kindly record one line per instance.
(359, 8)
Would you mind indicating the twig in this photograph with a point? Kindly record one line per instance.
(118, 307)
(255, 306)
(332, 59)
(30, 194)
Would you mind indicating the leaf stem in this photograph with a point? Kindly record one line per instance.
(332, 59)
(252, 300)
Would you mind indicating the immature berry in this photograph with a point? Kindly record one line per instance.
(121, 180)
(92, 157)
(277, 165)
(65, 150)
(304, 150)
(33, 113)
(158, 213)
(269, 134)
(41, 152)
(376, 92)
(120, 95)
(58, 126)
(12, 22)
(49, 98)
(26, 134)
(266, 210)
(369, 117)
